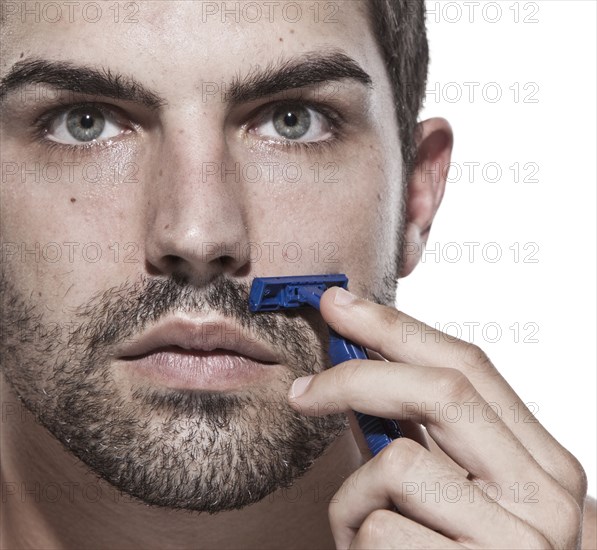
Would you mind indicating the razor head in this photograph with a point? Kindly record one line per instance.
(274, 293)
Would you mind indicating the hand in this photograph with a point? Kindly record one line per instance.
(500, 480)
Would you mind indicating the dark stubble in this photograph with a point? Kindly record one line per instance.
(202, 451)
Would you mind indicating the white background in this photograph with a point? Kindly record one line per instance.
(556, 58)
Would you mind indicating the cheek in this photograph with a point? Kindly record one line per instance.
(64, 225)
(341, 216)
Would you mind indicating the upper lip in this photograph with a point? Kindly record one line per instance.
(199, 335)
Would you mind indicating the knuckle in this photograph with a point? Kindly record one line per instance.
(375, 528)
(569, 511)
(399, 456)
(473, 358)
(453, 385)
(575, 476)
(335, 515)
(569, 475)
(345, 374)
(337, 508)
(391, 317)
(334, 511)
(531, 538)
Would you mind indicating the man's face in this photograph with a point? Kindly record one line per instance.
(235, 145)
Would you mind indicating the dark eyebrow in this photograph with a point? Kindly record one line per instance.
(307, 70)
(70, 77)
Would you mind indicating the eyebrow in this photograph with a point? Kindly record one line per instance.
(308, 69)
(79, 79)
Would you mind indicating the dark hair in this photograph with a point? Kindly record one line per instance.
(399, 26)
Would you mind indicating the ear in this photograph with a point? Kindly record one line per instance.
(425, 187)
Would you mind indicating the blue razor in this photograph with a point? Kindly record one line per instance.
(276, 293)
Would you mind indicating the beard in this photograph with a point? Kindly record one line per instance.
(204, 451)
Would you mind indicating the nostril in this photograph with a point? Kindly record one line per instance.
(233, 265)
(172, 260)
(227, 261)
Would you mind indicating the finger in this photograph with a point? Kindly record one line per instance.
(394, 334)
(430, 397)
(480, 443)
(383, 529)
(401, 338)
(409, 429)
(424, 490)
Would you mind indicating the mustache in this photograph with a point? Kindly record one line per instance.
(120, 313)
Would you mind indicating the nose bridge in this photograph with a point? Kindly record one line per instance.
(195, 216)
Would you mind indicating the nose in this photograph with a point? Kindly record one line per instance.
(195, 218)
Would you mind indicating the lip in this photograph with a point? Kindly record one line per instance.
(197, 335)
(208, 354)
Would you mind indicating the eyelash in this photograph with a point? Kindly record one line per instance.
(41, 123)
(336, 120)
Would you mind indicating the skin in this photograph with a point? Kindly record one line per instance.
(159, 213)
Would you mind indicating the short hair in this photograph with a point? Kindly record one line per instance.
(399, 27)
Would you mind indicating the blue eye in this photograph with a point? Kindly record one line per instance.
(294, 123)
(84, 124)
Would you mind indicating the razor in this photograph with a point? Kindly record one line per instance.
(280, 293)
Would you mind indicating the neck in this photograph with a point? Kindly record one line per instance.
(51, 500)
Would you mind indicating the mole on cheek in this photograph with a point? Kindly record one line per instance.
(73, 199)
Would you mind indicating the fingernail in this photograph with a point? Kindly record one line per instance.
(299, 386)
(343, 297)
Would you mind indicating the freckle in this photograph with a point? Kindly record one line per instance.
(73, 199)
(39, 293)
(22, 54)
(181, 131)
(291, 31)
(167, 226)
(281, 39)
(161, 172)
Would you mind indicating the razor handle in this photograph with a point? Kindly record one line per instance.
(378, 432)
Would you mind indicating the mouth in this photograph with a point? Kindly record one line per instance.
(192, 354)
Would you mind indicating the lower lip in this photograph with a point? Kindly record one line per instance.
(216, 370)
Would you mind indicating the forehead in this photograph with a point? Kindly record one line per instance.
(202, 39)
